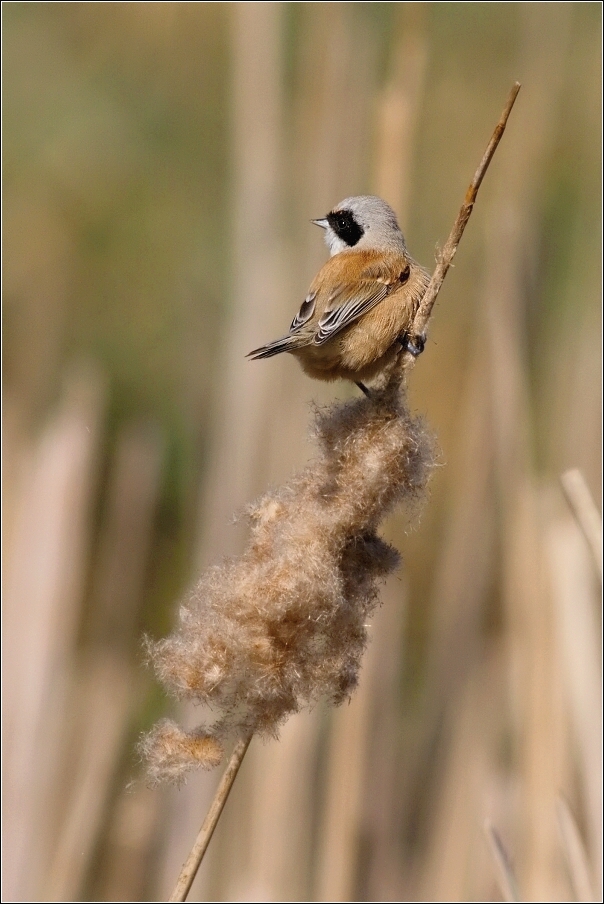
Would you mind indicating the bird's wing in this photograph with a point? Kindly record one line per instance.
(293, 339)
(340, 300)
(307, 309)
(349, 300)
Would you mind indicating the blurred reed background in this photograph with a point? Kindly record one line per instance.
(161, 164)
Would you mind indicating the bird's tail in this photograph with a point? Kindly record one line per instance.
(286, 344)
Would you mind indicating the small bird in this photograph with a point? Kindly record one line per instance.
(360, 307)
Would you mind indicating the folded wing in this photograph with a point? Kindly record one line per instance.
(336, 300)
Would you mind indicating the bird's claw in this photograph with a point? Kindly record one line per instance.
(414, 346)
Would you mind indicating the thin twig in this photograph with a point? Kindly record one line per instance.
(585, 511)
(448, 253)
(189, 870)
(505, 873)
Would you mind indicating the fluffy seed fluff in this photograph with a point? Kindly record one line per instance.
(265, 635)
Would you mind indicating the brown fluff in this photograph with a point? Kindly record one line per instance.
(285, 625)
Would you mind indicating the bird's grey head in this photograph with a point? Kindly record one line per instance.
(362, 223)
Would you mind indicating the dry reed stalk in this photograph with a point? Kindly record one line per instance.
(505, 873)
(380, 682)
(456, 865)
(129, 858)
(189, 870)
(538, 713)
(585, 511)
(456, 662)
(458, 589)
(574, 851)
(445, 258)
(245, 398)
(105, 688)
(536, 698)
(245, 394)
(328, 149)
(358, 442)
(126, 534)
(398, 112)
(44, 579)
(577, 641)
(464, 567)
(279, 776)
(342, 816)
(102, 707)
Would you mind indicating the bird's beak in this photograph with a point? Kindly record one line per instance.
(322, 223)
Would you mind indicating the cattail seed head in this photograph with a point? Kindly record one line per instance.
(283, 626)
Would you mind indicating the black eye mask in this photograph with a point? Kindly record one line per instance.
(345, 226)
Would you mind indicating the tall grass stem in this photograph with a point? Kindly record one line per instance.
(193, 861)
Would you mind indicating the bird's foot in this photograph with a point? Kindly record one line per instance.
(414, 345)
(363, 388)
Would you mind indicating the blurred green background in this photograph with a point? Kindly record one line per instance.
(161, 164)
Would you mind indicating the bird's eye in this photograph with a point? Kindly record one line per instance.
(342, 222)
(404, 276)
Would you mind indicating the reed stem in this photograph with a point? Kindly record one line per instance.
(193, 861)
(446, 256)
